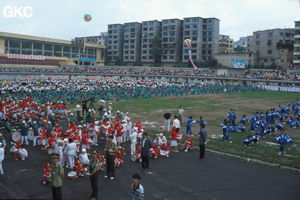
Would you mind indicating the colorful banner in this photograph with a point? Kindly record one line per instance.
(27, 57)
(239, 63)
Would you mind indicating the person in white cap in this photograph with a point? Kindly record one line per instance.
(1, 157)
(65, 156)
(95, 133)
(71, 153)
(60, 147)
(129, 129)
(83, 157)
(133, 139)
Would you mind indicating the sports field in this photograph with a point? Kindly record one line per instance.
(214, 109)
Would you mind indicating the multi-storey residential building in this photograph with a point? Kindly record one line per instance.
(211, 30)
(225, 44)
(98, 39)
(115, 40)
(134, 46)
(273, 47)
(132, 42)
(171, 41)
(150, 29)
(296, 58)
(193, 30)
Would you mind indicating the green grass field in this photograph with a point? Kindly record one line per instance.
(214, 109)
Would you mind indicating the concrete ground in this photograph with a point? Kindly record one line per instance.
(181, 177)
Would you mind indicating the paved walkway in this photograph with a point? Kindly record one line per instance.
(181, 177)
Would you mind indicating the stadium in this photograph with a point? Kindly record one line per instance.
(77, 121)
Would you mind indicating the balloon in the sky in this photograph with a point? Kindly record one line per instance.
(187, 42)
(87, 17)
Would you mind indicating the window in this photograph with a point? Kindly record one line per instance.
(269, 42)
(269, 51)
(195, 32)
(265, 60)
(131, 52)
(186, 32)
(187, 26)
(257, 43)
(270, 34)
(257, 36)
(194, 38)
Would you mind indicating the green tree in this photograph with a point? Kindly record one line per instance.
(156, 49)
(239, 49)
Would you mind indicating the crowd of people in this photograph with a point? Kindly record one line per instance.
(72, 91)
(37, 113)
(273, 75)
(144, 71)
(72, 145)
(273, 122)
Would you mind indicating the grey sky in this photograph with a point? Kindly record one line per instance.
(62, 19)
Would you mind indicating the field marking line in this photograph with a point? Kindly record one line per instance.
(7, 190)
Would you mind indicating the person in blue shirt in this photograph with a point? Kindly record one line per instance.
(225, 129)
(243, 120)
(189, 123)
(231, 117)
(136, 190)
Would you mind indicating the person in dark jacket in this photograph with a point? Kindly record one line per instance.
(146, 146)
(202, 140)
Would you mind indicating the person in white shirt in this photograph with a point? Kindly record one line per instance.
(83, 157)
(163, 138)
(180, 113)
(65, 155)
(1, 157)
(96, 132)
(129, 129)
(176, 123)
(71, 153)
(133, 139)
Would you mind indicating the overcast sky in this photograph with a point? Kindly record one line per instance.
(63, 19)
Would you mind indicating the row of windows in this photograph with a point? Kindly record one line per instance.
(270, 34)
(149, 23)
(129, 57)
(129, 52)
(147, 57)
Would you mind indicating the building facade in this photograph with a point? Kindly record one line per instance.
(235, 60)
(115, 43)
(132, 43)
(171, 41)
(211, 31)
(273, 47)
(135, 43)
(296, 56)
(97, 39)
(225, 44)
(193, 30)
(17, 49)
(150, 29)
